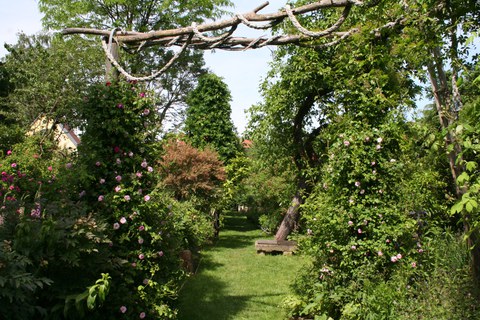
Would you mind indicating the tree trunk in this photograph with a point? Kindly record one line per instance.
(448, 104)
(291, 217)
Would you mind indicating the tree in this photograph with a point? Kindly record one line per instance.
(10, 130)
(49, 77)
(143, 16)
(191, 173)
(208, 117)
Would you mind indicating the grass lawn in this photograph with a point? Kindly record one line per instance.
(233, 282)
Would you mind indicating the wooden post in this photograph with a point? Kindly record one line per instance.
(111, 73)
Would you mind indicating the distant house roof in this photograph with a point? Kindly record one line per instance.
(247, 144)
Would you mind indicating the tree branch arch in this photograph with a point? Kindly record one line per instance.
(193, 35)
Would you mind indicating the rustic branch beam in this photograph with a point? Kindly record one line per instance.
(252, 16)
(192, 36)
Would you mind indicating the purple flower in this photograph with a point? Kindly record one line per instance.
(141, 256)
(123, 309)
(379, 140)
(393, 259)
(98, 163)
(160, 253)
(146, 198)
(120, 106)
(9, 152)
(138, 174)
(373, 163)
(140, 240)
(142, 315)
(82, 194)
(359, 231)
(350, 223)
(380, 253)
(14, 165)
(378, 147)
(346, 143)
(102, 181)
(100, 198)
(354, 247)
(357, 184)
(141, 228)
(130, 154)
(399, 256)
(123, 220)
(118, 161)
(414, 264)
(150, 169)
(146, 112)
(127, 197)
(116, 226)
(118, 178)
(118, 188)
(144, 163)
(68, 165)
(142, 94)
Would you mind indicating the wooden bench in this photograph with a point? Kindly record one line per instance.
(274, 246)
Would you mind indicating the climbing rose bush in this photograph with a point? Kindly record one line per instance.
(365, 223)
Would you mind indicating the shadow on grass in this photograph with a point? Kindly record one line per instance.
(204, 298)
(238, 223)
(213, 303)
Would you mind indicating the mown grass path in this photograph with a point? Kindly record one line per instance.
(233, 282)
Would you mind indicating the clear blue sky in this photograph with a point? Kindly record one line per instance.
(242, 71)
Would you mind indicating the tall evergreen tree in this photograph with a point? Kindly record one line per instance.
(208, 120)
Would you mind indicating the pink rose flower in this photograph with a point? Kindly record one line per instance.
(123, 309)
(118, 188)
(141, 256)
(116, 226)
(123, 220)
(146, 198)
(118, 178)
(142, 315)
(101, 198)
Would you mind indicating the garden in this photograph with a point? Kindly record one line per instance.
(130, 197)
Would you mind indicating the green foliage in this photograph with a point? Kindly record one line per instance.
(148, 227)
(208, 117)
(49, 76)
(140, 15)
(46, 233)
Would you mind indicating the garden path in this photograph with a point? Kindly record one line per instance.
(233, 282)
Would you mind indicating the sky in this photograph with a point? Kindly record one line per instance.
(241, 71)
